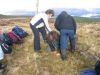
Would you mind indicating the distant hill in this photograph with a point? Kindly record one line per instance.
(91, 13)
(2, 16)
(72, 11)
(21, 13)
(11, 16)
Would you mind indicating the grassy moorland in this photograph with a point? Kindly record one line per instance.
(22, 61)
(86, 20)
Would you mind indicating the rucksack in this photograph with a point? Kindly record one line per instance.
(6, 39)
(14, 37)
(6, 48)
(87, 71)
(1, 41)
(97, 67)
(19, 31)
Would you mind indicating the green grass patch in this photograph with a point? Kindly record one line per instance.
(86, 20)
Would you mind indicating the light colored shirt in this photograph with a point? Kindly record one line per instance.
(37, 17)
(1, 54)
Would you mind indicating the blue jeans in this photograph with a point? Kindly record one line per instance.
(64, 34)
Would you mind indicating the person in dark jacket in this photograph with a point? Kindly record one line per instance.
(66, 25)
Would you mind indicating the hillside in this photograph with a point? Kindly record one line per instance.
(23, 61)
(91, 12)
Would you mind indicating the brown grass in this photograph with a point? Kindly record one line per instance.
(22, 61)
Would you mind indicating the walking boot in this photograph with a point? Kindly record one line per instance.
(63, 54)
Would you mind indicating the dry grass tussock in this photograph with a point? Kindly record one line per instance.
(23, 62)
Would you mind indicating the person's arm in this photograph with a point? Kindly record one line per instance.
(57, 23)
(74, 24)
(46, 24)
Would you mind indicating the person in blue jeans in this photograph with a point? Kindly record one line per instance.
(66, 25)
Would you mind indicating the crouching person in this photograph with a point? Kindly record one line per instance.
(39, 24)
(66, 25)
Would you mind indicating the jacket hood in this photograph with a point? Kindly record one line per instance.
(64, 13)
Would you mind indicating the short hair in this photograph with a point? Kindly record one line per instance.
(50, 11)
(53, 35)
(64, 13)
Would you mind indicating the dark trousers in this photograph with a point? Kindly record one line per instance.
(37, 36)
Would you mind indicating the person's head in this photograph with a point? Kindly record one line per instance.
(50, 13)
(53, 35)
(63, 13)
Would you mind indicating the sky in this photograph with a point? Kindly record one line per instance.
(7, 6)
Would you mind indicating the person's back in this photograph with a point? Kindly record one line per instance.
(37, 17)
(66, 25)
(65, 21)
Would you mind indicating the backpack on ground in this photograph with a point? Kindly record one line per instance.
(6, 48)
(6, 39)
(1, 40)
(14, 37)
(19, 31)
(97, 67)
(87, 71)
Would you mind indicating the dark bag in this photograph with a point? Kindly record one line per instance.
(6, 48)
(14, 37)
(97, 67)
(1, 41)
(6, 39)
(19, 31)
(87, 71)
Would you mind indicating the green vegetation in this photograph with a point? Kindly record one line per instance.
(86, 20)
(78, 19)
(6, 16)
(11, 16)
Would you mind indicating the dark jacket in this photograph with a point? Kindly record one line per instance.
(65, 21)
